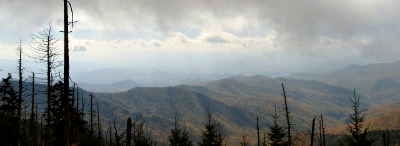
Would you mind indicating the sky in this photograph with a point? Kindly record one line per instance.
(266, 37)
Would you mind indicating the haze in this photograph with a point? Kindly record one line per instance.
(206, 37)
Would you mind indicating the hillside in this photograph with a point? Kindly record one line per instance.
(379, 81)
(236, 102)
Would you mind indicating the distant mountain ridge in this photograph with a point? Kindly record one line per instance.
(239, 99)
(375, 80)
(120, 86)
(236, 102)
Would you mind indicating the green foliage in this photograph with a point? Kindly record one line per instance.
(277, 132)
(9, 97)
(211, 135)
(140, 137)
(78, 126)
(179, 136)
(8, 115)
(356, 128)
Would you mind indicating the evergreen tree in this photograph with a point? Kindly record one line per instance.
(179, 136)
(359, 133)
(211, 135)
(140, 137)
(8, 113)
(277, 132)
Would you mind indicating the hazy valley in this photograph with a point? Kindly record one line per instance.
(237, 100)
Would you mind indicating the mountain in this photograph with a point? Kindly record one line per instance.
(98, 80)
(120, 86)
(236, 102)
(380, 81)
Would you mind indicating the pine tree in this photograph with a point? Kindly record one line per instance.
(8, 113)
(140, 137)
(179, 136)
(277, 132)
(211, 135)
(359, 133)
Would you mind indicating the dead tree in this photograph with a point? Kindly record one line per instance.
(258, 133)
(312, 132)
(99, 124)
(91, 113)
(43, 44)
(19, 101)
(111, 140)
(323, 131)
(66, 70)
(77, 98)
(32, 120)
(116, 133)
(129, 131)
(289, 124)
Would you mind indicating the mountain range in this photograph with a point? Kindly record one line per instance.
(237, 101)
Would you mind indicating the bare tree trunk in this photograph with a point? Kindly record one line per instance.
(323, 131)
(111, 141)
(320, 133)
(91, 113)
(20, 70)
(66, 74)
(289, 125)
(36, 138)
(33, 100)
(264, 139)
(312, 132)
(258, 133)
(83, 107)
(116, 133)
(32, 120)
(128, 131)
(77, 98)
(99, 124)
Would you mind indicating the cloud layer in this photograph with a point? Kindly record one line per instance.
(246, 34)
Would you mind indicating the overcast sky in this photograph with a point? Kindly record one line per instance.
(240, 36)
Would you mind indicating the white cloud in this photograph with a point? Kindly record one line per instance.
(268, 30)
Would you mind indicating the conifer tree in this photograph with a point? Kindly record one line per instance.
(211, 135)
(277, 132)
(357, 129)
(140, 137)
(179, 136)
(8, 113)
